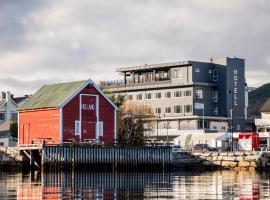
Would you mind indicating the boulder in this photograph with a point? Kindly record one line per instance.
(231, 154)
(208, 163)
(217, 163)
(229, 158)
(252, 158)
(223, 153)
(215, 154)
(220, 158)
(253, 164)
(239, 153)
(225, 163)
(239, 158)
(233, 164)
(214, 158)
(243, 164)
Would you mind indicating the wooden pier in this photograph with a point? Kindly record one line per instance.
(99, 157)
(132, 158)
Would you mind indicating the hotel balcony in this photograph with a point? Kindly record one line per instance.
(120, 85)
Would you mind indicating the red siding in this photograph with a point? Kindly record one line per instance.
(34, 126)
(106, 115)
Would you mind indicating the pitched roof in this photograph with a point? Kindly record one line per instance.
(4, 129)
(20, 99)
(266, 106)
(2, 102)
(57, 95)
(51, 96)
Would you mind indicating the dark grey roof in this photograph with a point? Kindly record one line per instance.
(4, 129)
(19, 99)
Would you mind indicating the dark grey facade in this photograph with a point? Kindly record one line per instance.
(178, 92)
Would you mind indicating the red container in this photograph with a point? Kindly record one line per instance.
(248, 141)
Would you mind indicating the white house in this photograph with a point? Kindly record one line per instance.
(9, 105)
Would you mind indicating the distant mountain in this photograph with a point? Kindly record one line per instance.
(257, 98)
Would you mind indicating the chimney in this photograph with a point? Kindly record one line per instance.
(8, 100)
(3, 96)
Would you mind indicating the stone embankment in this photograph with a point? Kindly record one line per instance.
(248, 160)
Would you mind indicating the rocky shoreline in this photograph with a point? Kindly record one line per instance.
(239, 161)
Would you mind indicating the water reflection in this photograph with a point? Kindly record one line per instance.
(180, 185)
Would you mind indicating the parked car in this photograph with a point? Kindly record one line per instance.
(204, 147)
(176, 148)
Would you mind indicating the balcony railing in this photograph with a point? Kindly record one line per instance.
(174, 132)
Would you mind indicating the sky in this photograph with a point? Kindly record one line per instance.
(49, 41)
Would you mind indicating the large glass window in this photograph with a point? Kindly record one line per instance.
(188, 108)
(158, 110)
(178, 109)
(139, 96)
(148, 96)
(168, 94)
(2, 116)
(177, 93)
(177, 73)
(158, 95)
(187, 93)
(215, 96)
(215, 75)
(168, 110)
(199, 94)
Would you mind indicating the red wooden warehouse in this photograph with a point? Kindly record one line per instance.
(66, 111)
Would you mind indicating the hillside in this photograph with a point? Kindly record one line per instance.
(257, 99)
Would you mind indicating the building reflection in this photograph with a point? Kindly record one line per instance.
(176, 185)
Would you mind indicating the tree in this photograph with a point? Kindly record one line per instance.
(135, 119)
(14, 129)
(117, 99)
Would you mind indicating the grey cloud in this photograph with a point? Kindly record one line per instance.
(69, 40)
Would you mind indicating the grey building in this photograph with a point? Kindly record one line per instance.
(189, 95)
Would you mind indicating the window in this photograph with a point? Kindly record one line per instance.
(215, 110)
(177, 94)
(2, 116)
(139, 96)
(129, 97)
(215, 96)
(178, 109)
(187, 93)
(199, 94)
(77, 128)
(168, 110)
(100, 128)
(238, 127)
(1, 143)
(214, 127)
(168, 94)
(13, 116)
(215, 75)
(158, 110)
(158, 95)
(177, 73)
(197, 69)
(210, 71)
(188, 108)
(148, 96)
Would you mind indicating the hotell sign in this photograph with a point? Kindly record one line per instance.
(235, 87)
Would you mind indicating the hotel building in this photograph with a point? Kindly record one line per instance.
(189, 96)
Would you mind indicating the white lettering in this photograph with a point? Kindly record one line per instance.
(88, 107)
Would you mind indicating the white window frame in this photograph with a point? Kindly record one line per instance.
(199, 94)
(77, 127)
(100, 125)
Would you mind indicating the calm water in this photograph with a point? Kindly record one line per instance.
(180, 185)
